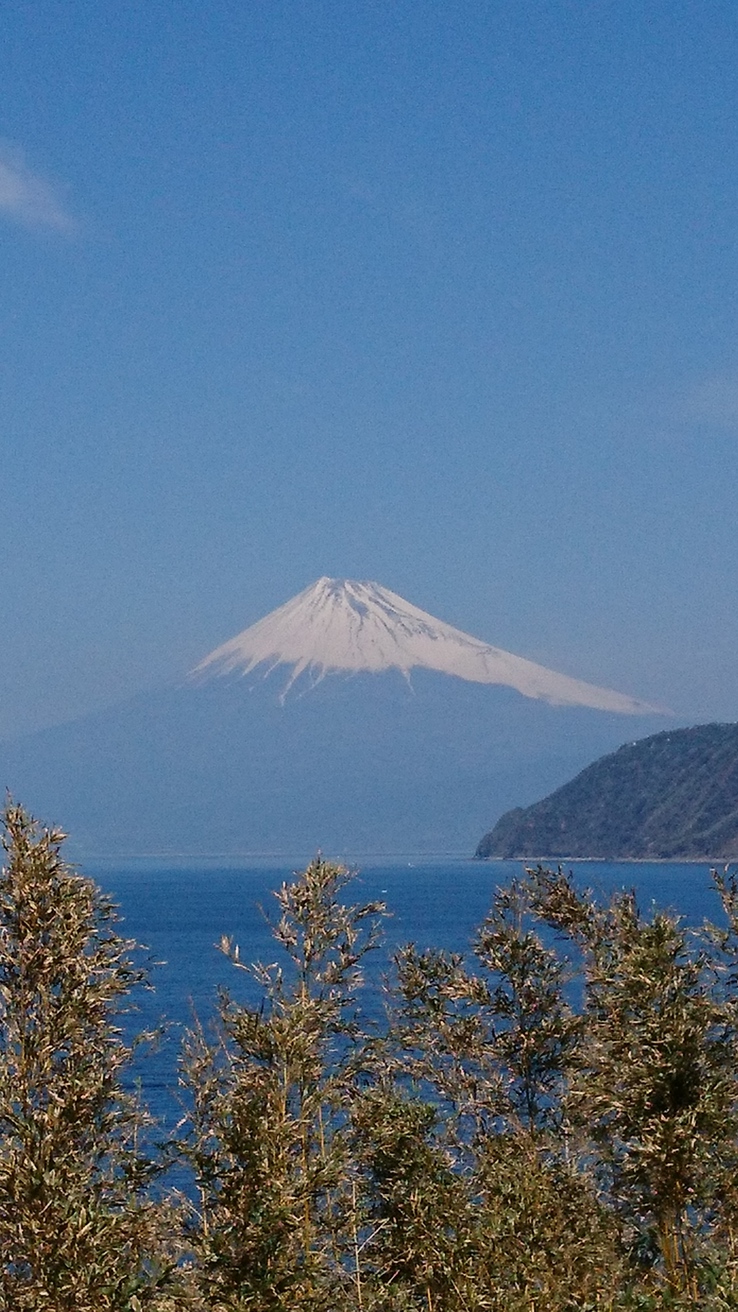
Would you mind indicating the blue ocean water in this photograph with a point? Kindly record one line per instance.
(179, 909)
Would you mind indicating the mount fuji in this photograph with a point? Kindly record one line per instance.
(347, 719)
(339, 625)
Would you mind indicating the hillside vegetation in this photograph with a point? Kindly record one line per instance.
(548, 1123)
(673, 795)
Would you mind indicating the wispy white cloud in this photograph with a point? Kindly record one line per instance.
(27, 198)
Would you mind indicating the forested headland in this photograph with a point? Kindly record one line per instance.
(549, 1122)
(670, 796)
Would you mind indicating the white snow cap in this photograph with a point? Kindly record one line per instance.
(341, 625)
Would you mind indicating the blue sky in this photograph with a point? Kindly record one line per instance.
(438, 295)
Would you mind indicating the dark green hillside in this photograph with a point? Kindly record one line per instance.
(672, 795)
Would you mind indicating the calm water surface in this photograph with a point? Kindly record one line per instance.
(180, 909)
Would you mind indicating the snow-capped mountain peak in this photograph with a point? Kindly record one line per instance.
(339, 625)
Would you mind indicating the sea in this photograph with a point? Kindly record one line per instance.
(179, 910)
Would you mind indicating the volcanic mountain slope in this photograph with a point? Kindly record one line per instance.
(259, 750)
(673, 795)
(340, 625)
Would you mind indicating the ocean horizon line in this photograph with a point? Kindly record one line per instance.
(287, 855)
(356, 860)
